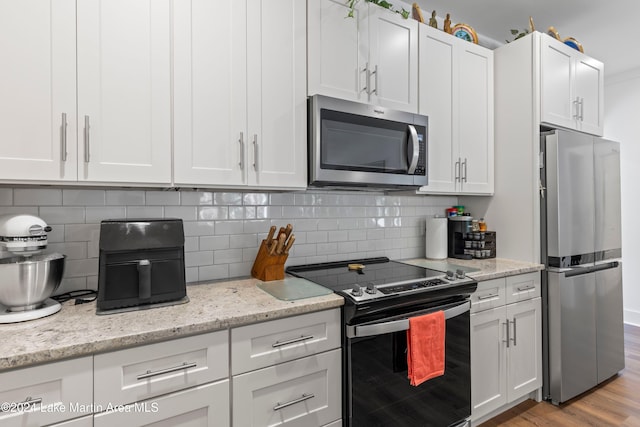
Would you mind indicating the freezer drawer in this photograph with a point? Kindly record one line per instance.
(610, 327)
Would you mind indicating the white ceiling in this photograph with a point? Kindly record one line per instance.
(606, 28)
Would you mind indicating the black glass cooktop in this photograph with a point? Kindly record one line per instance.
(337, 275)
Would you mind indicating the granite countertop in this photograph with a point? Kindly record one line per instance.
(76, 330)
(486, 269)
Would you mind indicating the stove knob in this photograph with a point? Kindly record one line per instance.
(356, 291)
(459, 274)
(451, 275)
(371, 288)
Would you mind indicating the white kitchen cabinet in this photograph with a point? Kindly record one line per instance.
(58, 391)
(304, 392)
(37, 83)
(506, 344)
(78, 422)
(124, 91)
(205, 405)
(572, 86)
(288, 371)
(240, 94)
(371, 58)
(456, 93)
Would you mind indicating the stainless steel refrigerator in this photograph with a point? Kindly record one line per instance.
(581, 246)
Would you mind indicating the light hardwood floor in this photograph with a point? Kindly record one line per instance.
(614, 403)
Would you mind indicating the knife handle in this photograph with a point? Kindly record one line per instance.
(280, 246)
(289, 243)
(272, 231)
(288, 230)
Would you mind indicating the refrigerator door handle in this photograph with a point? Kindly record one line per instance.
(586, 270)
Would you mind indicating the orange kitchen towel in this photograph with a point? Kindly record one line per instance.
(425, 347)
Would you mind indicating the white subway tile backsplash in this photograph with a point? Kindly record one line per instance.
(145, 212)
(229, 227)
(62, 215)
(227, 256)
(133, 198)
(83, 197)
(223, 230)
(197, 198)
(6, 196)
(162, 198)
(185, 213)
(37, 197)
(69, 284)
(97, 214)
(92, 282)
(212, 243)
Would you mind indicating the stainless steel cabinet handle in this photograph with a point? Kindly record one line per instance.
(150, 374)
(413, 150)
(63, 138)
(255, 152)
(581, 103)
(576, 110)
(483, 297)
(241, 141)
(375, 71)
(366, 86)
(21, 406)
(399, 325)
(464, 177)
(292, 341)
(514, 332)
(525, 288)
(508, 339)
(457, 168)
(87, 128)
(294, 401)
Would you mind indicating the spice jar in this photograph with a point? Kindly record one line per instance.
(482, 226)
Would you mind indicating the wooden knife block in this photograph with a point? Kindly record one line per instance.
(268, 267)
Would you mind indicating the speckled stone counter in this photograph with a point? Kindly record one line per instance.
(76, 330)
(488, 269)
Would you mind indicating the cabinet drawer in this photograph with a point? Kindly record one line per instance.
(205, 405)
(337, 423)
(64, 390)
(303, 393)
(265, 344)
(523, 287)
(139, 373)
(489, 294)
(78, 422)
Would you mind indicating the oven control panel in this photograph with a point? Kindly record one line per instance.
(370, 291)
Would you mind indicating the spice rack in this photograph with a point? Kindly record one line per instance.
(480, 244)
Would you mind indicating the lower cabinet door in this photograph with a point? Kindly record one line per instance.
(302, 393)
(206, 405)
(488, 361)
(525, 350)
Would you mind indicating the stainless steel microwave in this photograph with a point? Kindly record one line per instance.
(360, 145)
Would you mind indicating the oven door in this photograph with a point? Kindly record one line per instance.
(378, 390)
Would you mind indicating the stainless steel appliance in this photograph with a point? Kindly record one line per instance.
(141, 264)
(27, 277)
(380, 297)
(582, 293)
(359, 145)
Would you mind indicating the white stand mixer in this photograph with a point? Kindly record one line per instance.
(27, 277)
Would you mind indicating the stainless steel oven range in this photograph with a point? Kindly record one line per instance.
(380, 296)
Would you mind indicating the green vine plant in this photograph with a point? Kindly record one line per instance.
(351, 4)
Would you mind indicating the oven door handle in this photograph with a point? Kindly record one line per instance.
(398, 325)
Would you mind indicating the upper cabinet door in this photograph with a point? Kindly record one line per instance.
(124, 91)
(393, 60)
(438, 100)
(37, 87)
(475, 120)
(209, 93)
(337, 52)
(589, 88)
(557, 100)
(276, 88)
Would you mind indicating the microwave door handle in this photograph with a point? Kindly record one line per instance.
(413, 150)
(399, 325)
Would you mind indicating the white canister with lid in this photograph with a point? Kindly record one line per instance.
(436, 237)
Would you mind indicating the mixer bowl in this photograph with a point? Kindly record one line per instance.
(25, 282)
